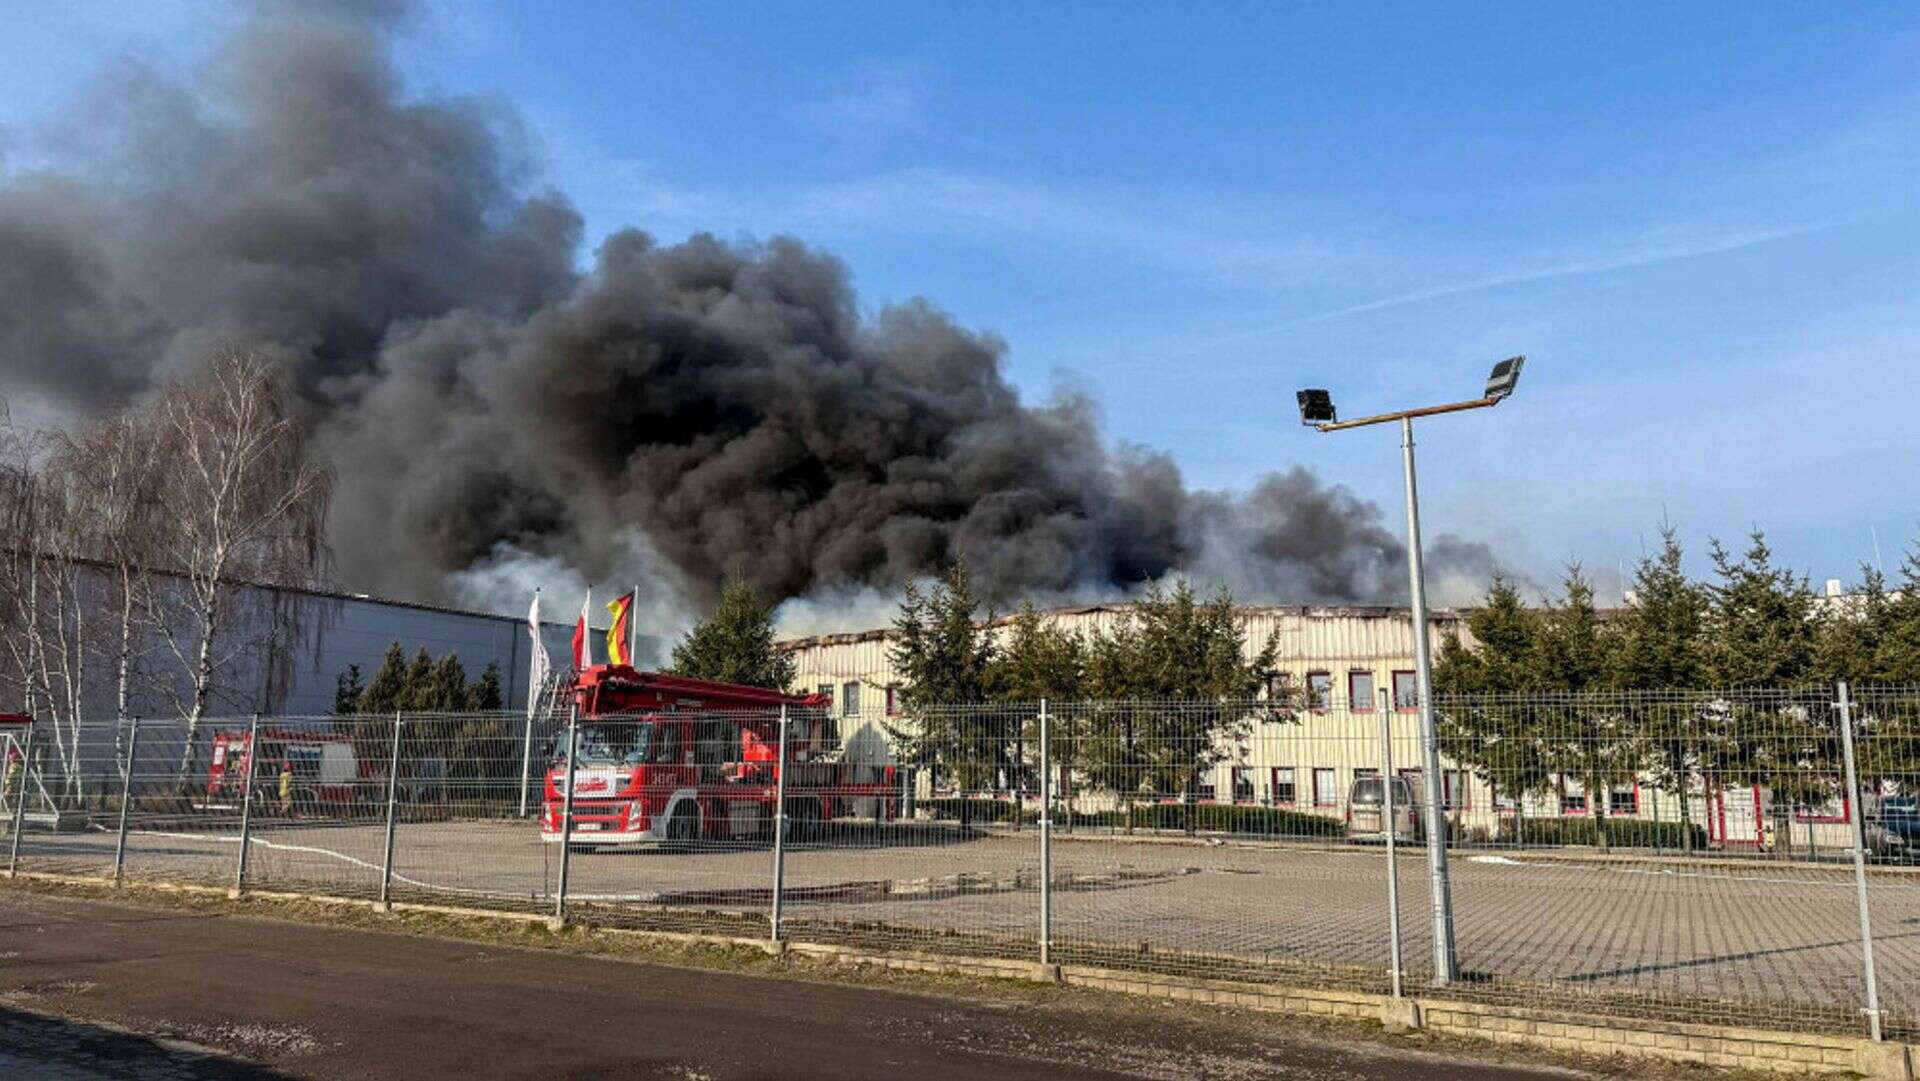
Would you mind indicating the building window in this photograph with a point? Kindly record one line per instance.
(1324, 793)
(893, 701)
(1203, 790)
(1623, 800)
(1833, 810)
(1406, 692)
(1319, 690)
(1282, 793)
(849, 699)
(1458, 793)
(1242, 785)
(1573, 798)
(1279, 686)
(825, 690)
(1360, 691)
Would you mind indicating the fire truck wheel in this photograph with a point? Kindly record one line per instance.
(684, 826)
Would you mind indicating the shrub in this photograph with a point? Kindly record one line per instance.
(1583, 830)
(949, 808)
(1217, 818)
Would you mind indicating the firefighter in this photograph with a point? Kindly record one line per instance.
(286, 786)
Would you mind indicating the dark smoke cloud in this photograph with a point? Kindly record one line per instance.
(675, 411)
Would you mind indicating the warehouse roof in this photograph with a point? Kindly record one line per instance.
(1310, 611)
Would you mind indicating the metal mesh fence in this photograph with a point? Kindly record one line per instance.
(1685, 856)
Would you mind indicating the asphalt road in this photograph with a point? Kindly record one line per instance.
(1720, 941)
(96, 990)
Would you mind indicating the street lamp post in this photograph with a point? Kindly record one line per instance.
(1317, 411)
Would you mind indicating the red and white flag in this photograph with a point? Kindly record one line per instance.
(582, 642)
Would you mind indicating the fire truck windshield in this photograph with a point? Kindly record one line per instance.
(616, 744)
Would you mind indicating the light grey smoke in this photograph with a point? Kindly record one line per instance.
(720, 407)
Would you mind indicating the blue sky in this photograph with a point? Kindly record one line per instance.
(1699, 221)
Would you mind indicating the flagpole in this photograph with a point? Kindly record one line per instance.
(537, 665)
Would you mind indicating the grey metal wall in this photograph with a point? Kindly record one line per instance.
(362, 629)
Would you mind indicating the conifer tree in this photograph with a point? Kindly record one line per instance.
(1490, 730)
(1659, 640)
(347, 691)
(1175, 681)
(1584, 737)
(446, 686)
(484, 695)
(942, 657)
(736, 644)
(1038, 659)
(387, 691)
(418, 695)
(1760, 633)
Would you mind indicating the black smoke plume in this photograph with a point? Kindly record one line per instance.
(671, 413)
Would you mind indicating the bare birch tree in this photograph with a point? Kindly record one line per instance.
(116, 458)
(22, 453)
(244, 504)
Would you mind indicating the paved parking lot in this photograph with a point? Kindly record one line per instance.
(1723, 940)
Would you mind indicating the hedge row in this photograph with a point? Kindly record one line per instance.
(954, 808)
(1208, 817)
(1217, 818)
(1621, 832)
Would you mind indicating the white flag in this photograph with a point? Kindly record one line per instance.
(538, 665)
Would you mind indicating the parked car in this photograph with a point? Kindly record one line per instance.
(1366, 810)
(1894, 832)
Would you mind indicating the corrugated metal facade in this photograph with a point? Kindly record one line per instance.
(1310, 755)
(362, 628)
(1335, 640)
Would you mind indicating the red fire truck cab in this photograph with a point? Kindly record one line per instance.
(667, 759)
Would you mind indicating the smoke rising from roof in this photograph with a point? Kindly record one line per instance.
(668, 414)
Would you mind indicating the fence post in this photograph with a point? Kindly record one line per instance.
(1046, 836)
(526, 763)
(1857, 816)
(1393, 851)
(779, 825)
(566, 820)
(126, 797)
(393, 805)
(246, 808)
(20, 802)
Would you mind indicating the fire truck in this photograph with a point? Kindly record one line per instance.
(668, 760)
(327, 773)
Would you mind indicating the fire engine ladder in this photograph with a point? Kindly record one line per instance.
(20, 781)
(553, 690)
(547, 699)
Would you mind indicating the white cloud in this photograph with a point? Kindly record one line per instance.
(1208, 234)
(1647, 255)
(880, 97)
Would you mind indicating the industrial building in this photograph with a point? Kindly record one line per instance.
(1356, 665)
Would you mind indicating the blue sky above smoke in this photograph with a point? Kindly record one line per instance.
(1700, 221)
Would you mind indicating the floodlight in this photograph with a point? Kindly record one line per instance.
(1316, 407)
(1504, 376)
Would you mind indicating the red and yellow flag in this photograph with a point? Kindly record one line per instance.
(619, 634)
